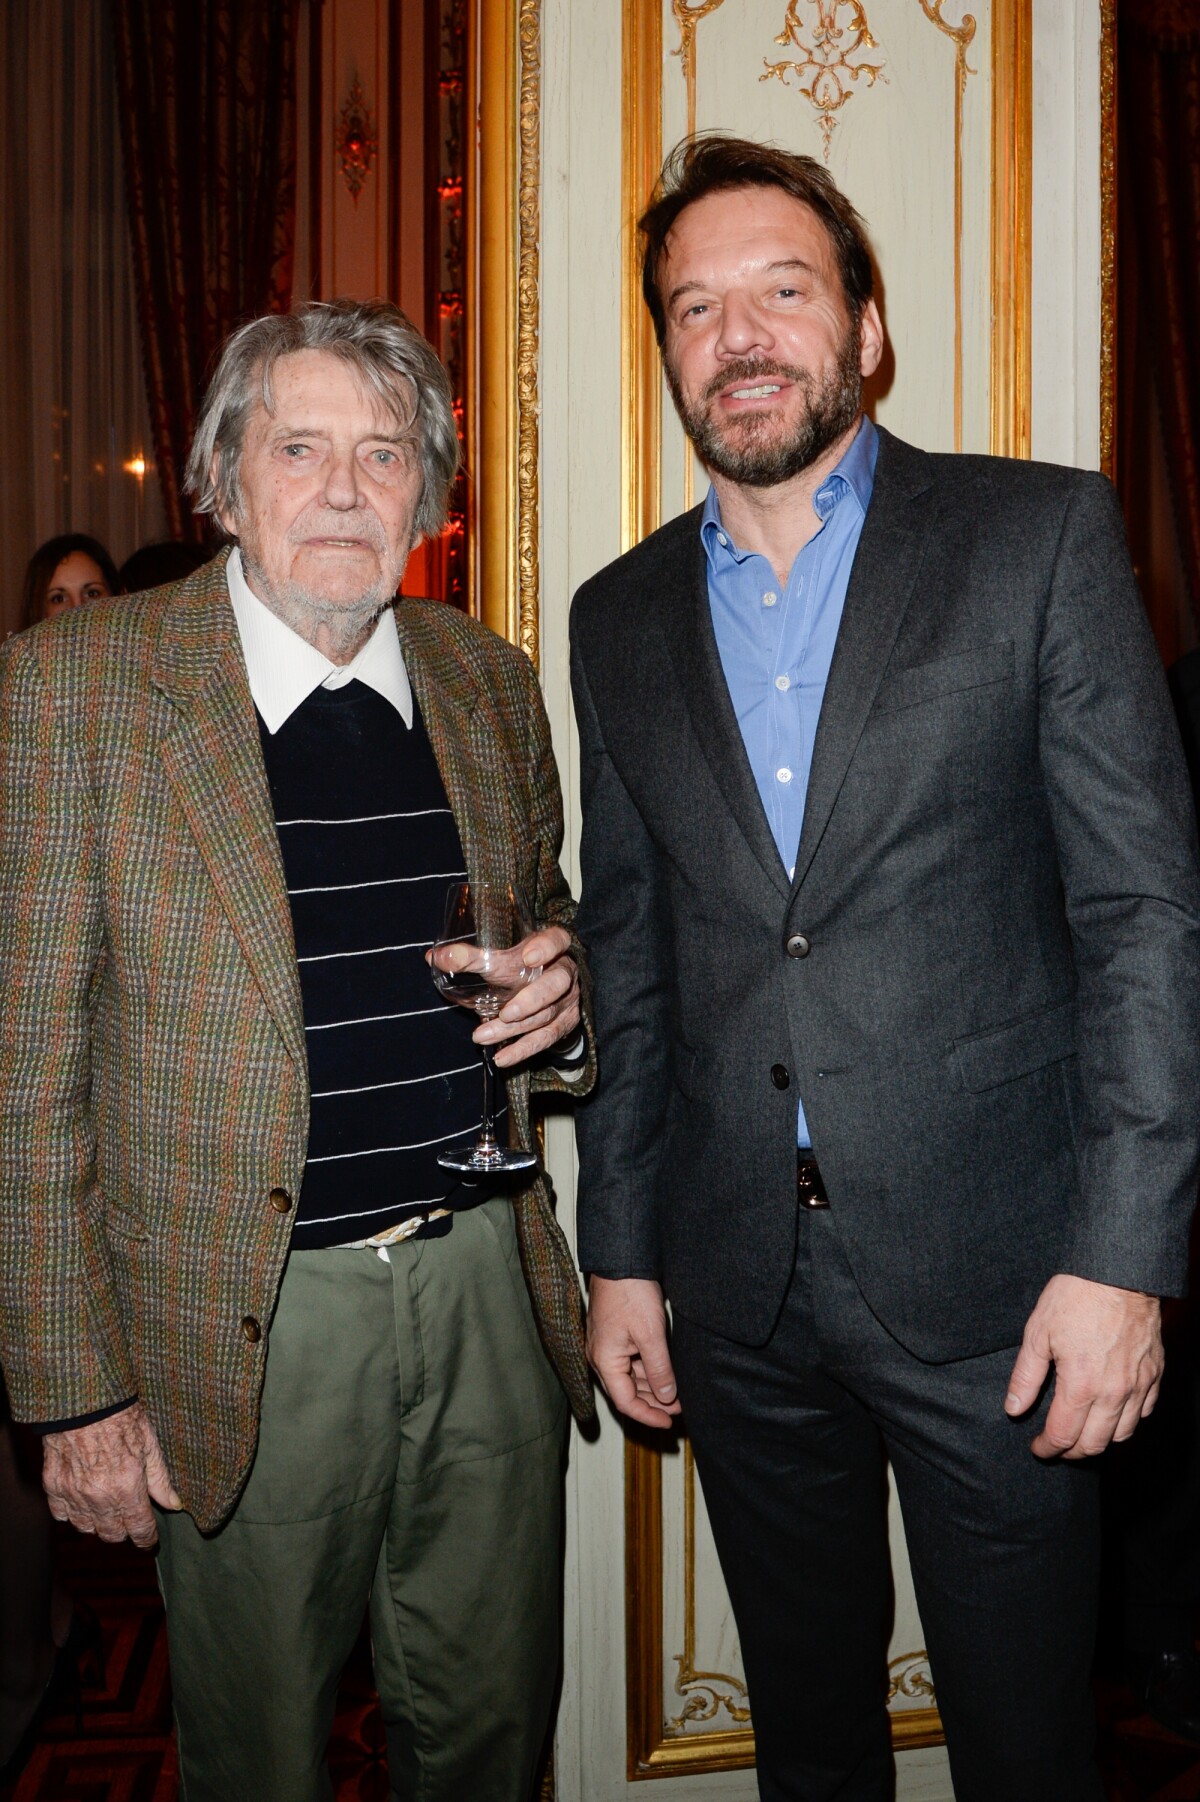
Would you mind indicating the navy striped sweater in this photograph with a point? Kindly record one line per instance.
(370, 846)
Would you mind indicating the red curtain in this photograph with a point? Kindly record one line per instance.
(207, 99)
(1159, 76)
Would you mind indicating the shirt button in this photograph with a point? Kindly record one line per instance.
(784, 775)
(783, 683)
(721, 538)
(770, 598)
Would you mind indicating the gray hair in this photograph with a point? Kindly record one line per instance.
(384, 349)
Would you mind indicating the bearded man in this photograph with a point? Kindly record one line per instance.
(239, 1295)
(891, 900)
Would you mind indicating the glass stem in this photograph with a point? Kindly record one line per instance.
(487, 1146)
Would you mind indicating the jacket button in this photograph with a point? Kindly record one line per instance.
(797, 945)
(779, 1076)
(280, 1200)
(251, 1329)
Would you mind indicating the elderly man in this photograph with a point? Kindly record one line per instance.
(240, 1295)
(890, 891)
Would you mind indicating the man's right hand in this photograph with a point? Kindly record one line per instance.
(627, 1348)
(103, 1477)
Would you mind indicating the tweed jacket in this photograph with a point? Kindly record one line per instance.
(153, 1079)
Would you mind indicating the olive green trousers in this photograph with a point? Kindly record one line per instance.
(410, 1451)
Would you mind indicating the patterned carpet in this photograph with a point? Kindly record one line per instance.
(119, 1747)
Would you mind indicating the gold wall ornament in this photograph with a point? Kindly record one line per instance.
(688, 15)
(1108, 238)
(910, 1676)
(824, 73)
(708, 1694)
(356, 140)
(961, 35)
(1012, 228)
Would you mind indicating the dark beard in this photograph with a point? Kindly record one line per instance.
(740, 455)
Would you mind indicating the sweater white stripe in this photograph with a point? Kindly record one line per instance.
(403, 1082)
(376, 1151)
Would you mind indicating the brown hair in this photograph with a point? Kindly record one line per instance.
(710, 162)
(39, 571)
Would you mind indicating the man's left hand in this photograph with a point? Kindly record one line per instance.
(1106, 1348)
(543, 1011)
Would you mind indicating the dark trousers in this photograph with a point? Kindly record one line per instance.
(789, 1441)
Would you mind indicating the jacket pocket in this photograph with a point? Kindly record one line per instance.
(1017, 1049)
(976, 668)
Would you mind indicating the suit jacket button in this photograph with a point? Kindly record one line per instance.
(280, 1200)
(252, 1329)
(797, 945)
(779, 1076)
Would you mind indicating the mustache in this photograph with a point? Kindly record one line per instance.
(336, 525)
(754, 371)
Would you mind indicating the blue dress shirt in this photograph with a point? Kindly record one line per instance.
(776, 646)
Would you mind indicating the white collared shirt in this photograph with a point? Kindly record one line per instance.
(284, 668)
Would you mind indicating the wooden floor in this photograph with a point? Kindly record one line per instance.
(120, 1749)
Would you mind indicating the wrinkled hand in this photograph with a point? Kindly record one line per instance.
(542, 1011)
(103, 1477)
(1106, 1348)
(627, 1348)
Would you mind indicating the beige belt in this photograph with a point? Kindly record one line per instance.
(393, 1235)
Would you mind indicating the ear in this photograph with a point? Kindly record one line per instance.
(872, 339)
(224, 515)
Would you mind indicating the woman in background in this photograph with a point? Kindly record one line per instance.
(66, 572)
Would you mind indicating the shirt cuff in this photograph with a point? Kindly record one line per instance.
(571, 1062)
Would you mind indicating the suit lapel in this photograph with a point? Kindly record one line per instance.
(886, 566)
(213, 762)
(687, 623)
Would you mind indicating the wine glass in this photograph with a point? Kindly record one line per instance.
(491, 918)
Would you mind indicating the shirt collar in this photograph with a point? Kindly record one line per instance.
(854, 474)
(284, 669)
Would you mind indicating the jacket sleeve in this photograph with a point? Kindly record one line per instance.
(1125, 834)
(61, 1342)
(622, 921)
(553, 903)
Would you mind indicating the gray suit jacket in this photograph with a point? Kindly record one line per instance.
(996, 1032)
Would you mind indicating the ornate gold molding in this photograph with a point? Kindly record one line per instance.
(1012, 227)
(528, 621)
(641, 160)
(961, 36)
(503, 325)
(1108, 238)
(826, 60)
(688, 14)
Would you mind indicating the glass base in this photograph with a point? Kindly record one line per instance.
(471, 1161)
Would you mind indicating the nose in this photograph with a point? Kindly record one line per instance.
(74, 600)
(341, 481)
(745, 328)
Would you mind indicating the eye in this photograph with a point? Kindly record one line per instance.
(96, 591)
(697, 308)
(294, 451)
(383, 456)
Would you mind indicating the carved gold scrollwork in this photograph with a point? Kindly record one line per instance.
(529, 26)
(909, 1676)
(688, 14)
(824, 72)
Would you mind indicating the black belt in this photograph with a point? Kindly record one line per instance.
(810, 1190)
